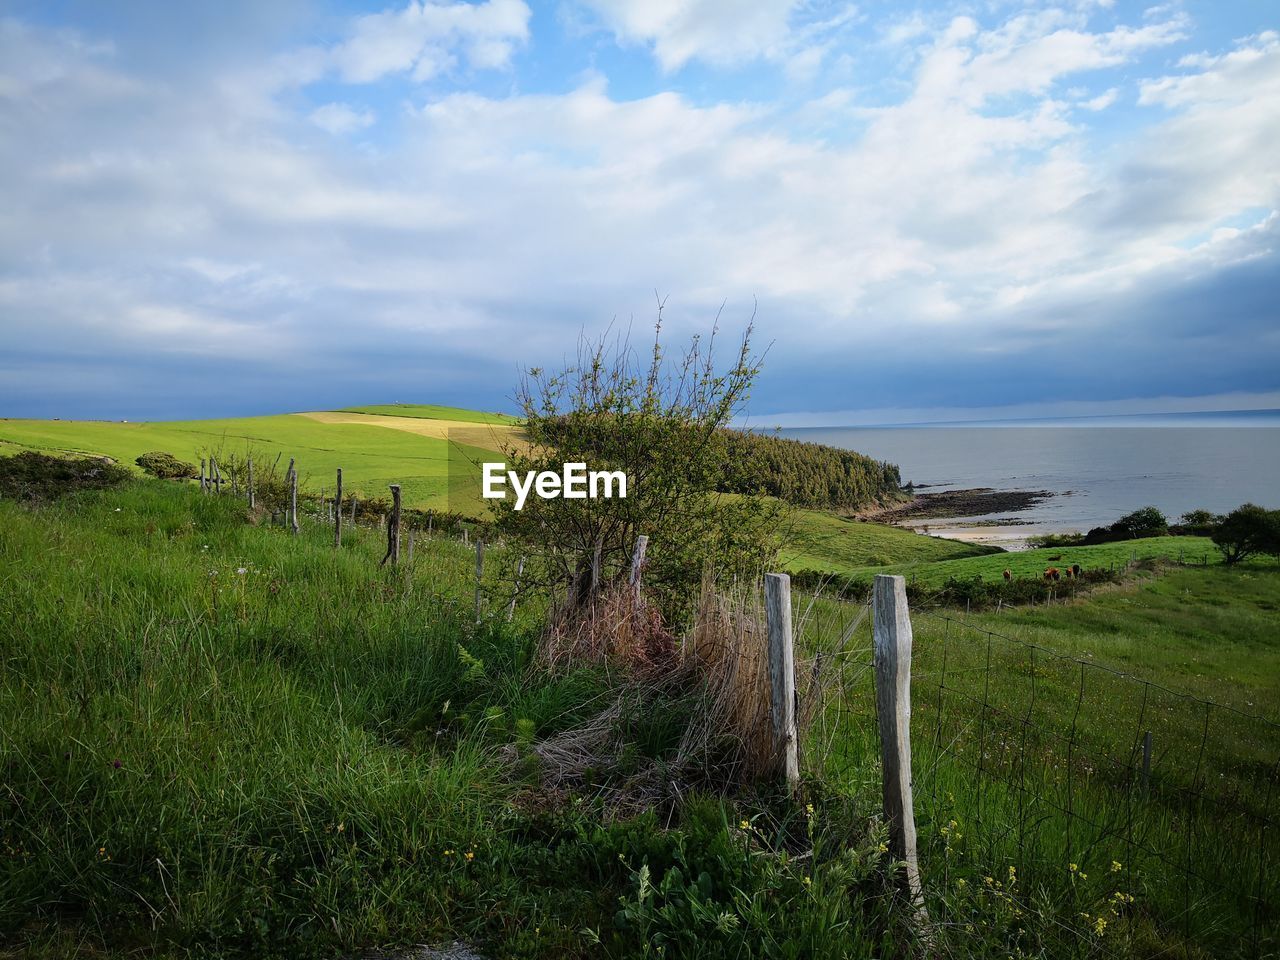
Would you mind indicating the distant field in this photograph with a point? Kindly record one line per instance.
(1032, 563)
(431, 411)
(371, 455)
(833, 544)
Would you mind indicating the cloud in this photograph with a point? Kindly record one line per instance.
(965, 242)
(425, 38)
(720, 32)
(341, 118)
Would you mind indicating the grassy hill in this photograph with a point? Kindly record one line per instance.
(432, 458)
(221, 740)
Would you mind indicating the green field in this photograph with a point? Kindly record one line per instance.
(371, 456)
(220, 740)
(829, 543)
(1032, 563)
(431, 411)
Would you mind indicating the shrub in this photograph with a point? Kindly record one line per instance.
(1147, 522)
(37, 476)
(1196, 523)
(1246, 531)
(661, 422)
(166, 466)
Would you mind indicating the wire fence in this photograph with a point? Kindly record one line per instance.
(1064, 807)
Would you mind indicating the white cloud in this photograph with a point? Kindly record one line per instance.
(502, 223)
(341, 118)
(426, 38)
(716, 31)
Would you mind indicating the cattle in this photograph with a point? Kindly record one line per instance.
(1051, 575)
(1008, 575)
(1075, 570)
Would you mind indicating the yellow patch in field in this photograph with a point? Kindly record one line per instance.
(489, 436)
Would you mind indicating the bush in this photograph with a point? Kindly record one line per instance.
(34, 476)
(1196, 523)
(1246, 531)
(1147, 522)
(166, 466)
(661, 423)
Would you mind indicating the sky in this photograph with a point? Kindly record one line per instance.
(231, 208)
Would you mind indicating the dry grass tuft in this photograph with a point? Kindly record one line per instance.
(718, 673)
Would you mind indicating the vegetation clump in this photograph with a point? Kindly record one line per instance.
(35, 476)
(166, 466)
(1247, 531)
(662, 422)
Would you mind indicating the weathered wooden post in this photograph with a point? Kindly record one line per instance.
(1146, 761)
(479, 575)
(249, 480)
(892, 655)
(217, 475)
(337, 513)
(515, 591)
(430, 517)
(353, 509)
(293, 497)
(782, 675)
(393, 527)
(637, 567)
(203, 488)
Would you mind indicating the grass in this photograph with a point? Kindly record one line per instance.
(433, 472)
(431, 411)
(829, 543)
(1021, 716)
(1033, 563)
(219, 740)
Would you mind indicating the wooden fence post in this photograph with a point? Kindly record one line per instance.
(249, 481)
(782, 675)
(353, 509)
(511, 607)
(337, 513)
(293, 497)
(479, 574)
(202, 486)
(393, 527)
(892, 655)
(411, 539)
(215, 475)
(637, 567)
(1146, 761)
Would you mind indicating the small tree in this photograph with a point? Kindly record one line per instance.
(1147, 522)
(1246, 531)
(662, 422)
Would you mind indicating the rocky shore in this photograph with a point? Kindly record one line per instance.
(975, 502)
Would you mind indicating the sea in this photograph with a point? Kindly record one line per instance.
(1098, 468)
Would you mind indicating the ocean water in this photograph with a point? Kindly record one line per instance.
(1098, 472)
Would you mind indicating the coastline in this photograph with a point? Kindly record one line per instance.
(982, 515)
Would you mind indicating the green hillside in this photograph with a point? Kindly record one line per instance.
(371, 456)
(431, 411)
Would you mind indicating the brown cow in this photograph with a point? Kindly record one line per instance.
(1051, 574)
(1008, 575)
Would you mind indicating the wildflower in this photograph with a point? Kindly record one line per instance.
(470, 855)
(1115, 866)
(745, 825)
(808, 881)
(961, 883)
(808, 809)
(116, 764)
(1072, 867)
(1013, 874)
(1099, 925)
(449, 853)
(342, 827)
(883, 848)
(242, 570)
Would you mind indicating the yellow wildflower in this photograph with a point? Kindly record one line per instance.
(1115, 866)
